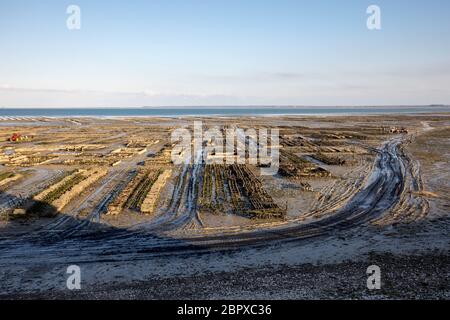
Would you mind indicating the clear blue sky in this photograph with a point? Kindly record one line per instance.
(224, 52)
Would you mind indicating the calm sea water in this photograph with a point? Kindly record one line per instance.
(212, 111)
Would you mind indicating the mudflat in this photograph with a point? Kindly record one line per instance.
(107, 195)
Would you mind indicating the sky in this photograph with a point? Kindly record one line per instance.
(223, 53)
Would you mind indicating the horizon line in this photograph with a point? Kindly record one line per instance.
(236, 106)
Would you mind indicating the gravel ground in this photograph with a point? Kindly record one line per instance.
(402, 277)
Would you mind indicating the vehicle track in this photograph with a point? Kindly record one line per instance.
(381, 192)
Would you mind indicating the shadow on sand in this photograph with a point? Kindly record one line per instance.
(60, 236)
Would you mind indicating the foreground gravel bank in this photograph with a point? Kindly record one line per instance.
(403, 277)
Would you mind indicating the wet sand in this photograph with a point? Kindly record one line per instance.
(388, 205)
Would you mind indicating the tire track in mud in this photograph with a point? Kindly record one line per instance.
(40, 179)
(411, 206)
(327, 201)
(108, 188)
(67, 225)
(381, 192)
(183, 207)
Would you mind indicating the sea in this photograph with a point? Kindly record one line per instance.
(7, 113)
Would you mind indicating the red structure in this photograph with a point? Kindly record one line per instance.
(16, 137)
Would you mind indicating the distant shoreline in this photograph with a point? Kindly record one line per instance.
(176, 112)
(243, 107)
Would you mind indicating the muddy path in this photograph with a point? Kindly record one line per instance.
(380, 194)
